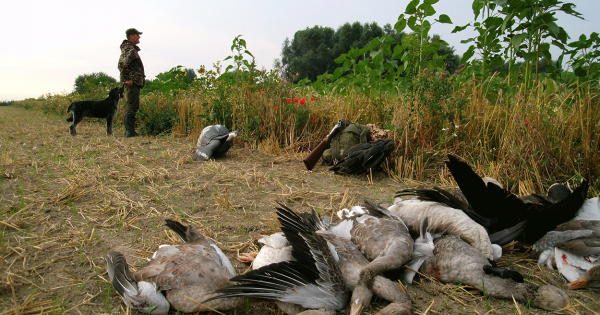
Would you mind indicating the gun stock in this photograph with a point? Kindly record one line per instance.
(313, 157)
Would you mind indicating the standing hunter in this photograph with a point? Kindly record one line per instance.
(132, 75)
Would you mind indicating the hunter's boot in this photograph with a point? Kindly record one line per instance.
(130, 126)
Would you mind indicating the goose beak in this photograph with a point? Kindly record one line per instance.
(581, 283)
(356, 309)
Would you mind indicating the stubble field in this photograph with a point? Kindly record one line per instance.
(65, 201)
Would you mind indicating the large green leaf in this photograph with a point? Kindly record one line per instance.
(354, 53)
(347, 64)
(444, 19)
(340, 59)
(411, 8)
(477, 6)
(412, 23)
(517, 40)
(427, 9)
(337, 73)
(401, 24)
(507, 19)
(553, 27)
(468, 54)
(460, 28)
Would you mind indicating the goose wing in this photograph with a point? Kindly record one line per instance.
(548, 218)
(313, 281)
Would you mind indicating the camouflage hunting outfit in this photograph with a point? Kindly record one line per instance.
(132, 68)
(130, 64)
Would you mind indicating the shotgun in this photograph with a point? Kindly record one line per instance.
(313, 157)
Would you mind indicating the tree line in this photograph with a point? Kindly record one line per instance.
(312, 51)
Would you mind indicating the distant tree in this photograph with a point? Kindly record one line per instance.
(313, 51)
(390, 31)
(452, 60)
(190, 73)
(309, 54)
(96, 78)
(354, 35)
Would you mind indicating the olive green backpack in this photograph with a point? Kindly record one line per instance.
(340, 145)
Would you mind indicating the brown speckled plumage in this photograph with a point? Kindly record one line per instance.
(194, 269)
(455, 261)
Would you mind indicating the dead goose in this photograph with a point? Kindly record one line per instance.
(423, 249)
(573, 247)
(455, 261)
(195, 269)
(590, 280)
(363, 157)
(444, 220)
(326, 268)
(380, 235)
(503, 214)
(214, 141)
(276, 248)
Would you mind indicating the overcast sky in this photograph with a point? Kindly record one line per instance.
(47, 44)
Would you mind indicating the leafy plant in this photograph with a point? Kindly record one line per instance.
(511, 29)
(585, 56)
(422, 54)
(86, 82)
(168, 83)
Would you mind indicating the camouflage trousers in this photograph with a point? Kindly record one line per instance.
(133, 99)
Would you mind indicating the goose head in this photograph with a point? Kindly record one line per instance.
(590, 280)
(550, 298)
(361, 298)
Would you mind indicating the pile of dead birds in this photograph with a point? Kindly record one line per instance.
(313, 266)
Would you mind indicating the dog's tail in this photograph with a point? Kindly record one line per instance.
(69, 110)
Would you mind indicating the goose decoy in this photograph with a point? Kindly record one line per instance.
(214, 141)
(444, 220)
(503, 214)
(381, 236)
(455, 261)
(194, 269)
(590, 280)
(276, 248)
(363, 157)
(325, 269)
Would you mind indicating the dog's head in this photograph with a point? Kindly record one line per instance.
(116, 93)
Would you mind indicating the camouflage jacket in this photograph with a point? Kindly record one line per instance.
(130, 64)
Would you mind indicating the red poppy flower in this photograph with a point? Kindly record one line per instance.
(428, 146)
(276, 107)
(262, 92)
(314, 121)
(422, 141)
(587, 102)
(289, 101)
(313, 99)
(302, 101)
(295, 100)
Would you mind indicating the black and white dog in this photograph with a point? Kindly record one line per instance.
(96, 109)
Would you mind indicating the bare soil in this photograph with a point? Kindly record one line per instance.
(65, 201)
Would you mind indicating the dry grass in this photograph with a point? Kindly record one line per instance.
(65, 201)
